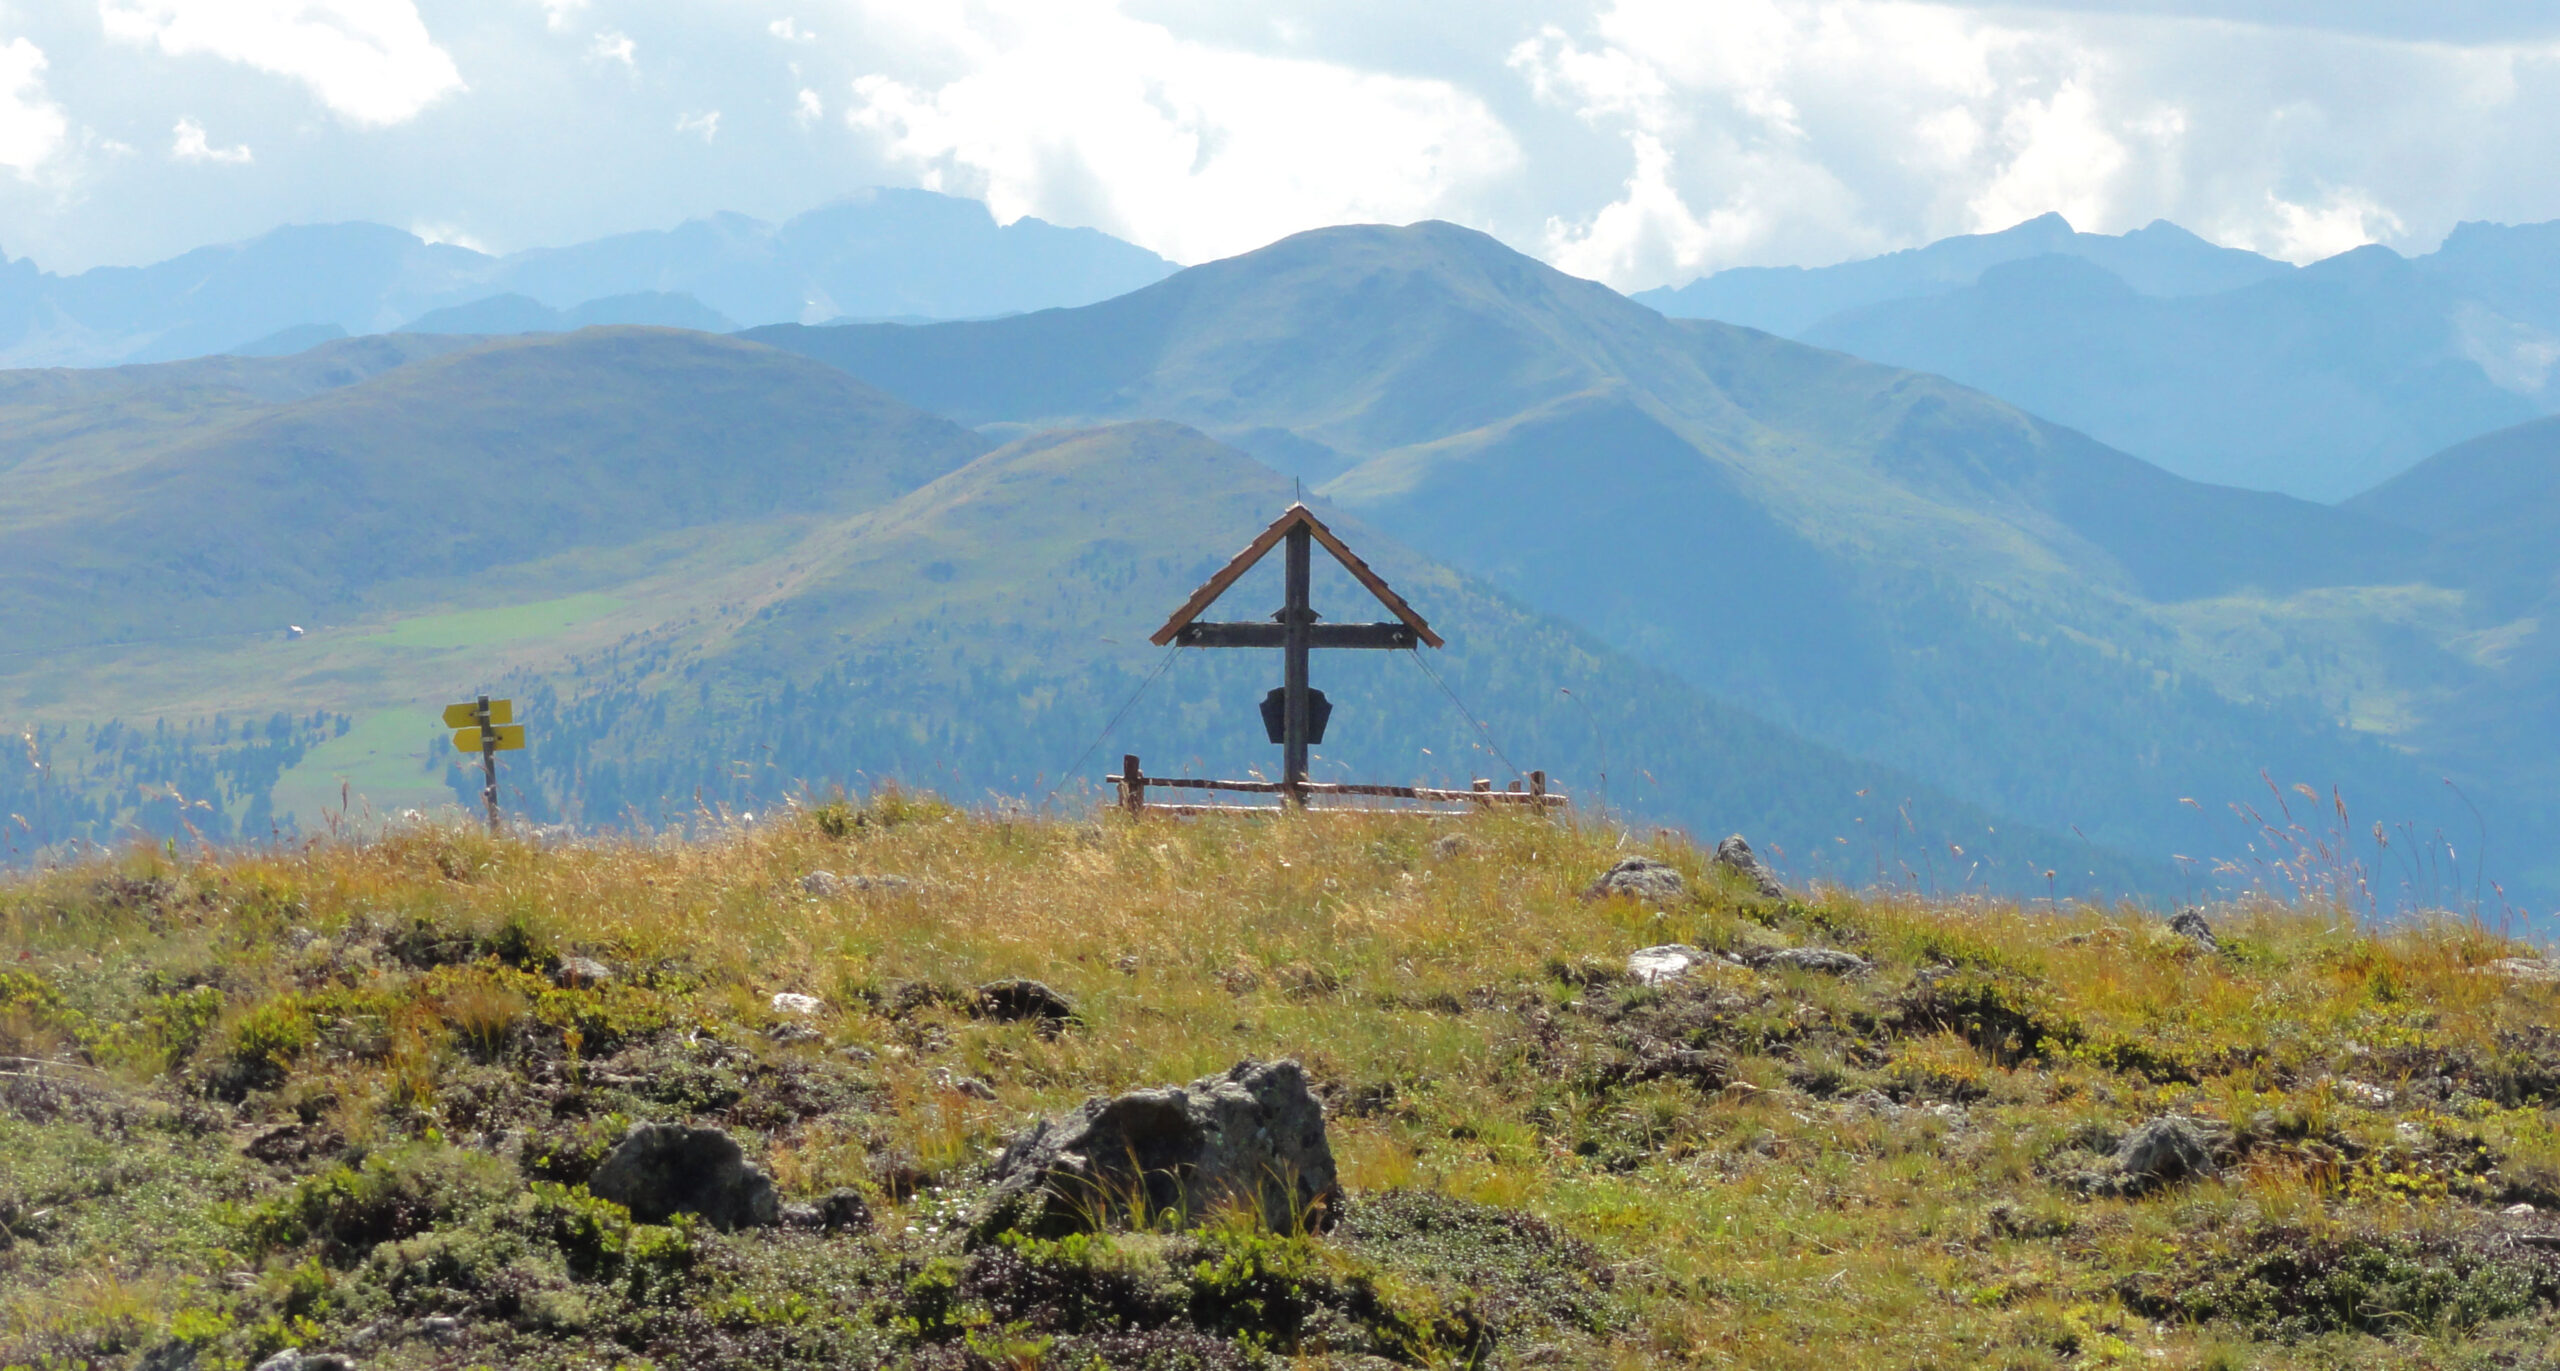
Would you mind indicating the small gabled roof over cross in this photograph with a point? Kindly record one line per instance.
(1292, 518)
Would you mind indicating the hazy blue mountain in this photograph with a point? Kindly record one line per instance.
(2319, 383)
(886, 253)
(285, 342)
(511, 313)
(2215, 363)
(880, 254)
(362, 278)
(2513, 269)
(2162, 259)
(1885, 561)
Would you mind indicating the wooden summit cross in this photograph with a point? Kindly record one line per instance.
(1301, 712)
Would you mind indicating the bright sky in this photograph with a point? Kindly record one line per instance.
(1635, 141)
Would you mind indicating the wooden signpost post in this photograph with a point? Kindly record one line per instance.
(1300, 710)
(487, 727)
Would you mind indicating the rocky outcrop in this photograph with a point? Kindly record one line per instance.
(2190, 925)
(2167, 1150)
(662, 1169)
(1734, 854)
(1018, 1001)
(1828, 960)
(1639, 878)
(1253, 1136)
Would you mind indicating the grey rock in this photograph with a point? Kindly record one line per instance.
(844, 1211)
(801, 1216)
(581, 971)
(2531, 970)
(2190, 925)
(1874, 1102)
(293, 1359)
(1450, 845)
(1640, 878)
(858, 1054)
(825, 885)
(2519, 1211)
(1255, 1135)
(1018, 1000)
(2167, 1149)
(793, 1033)
(789, 1003)
(1669, 962)
(663, 1169)
(970, 1086)
(1735, 854)
(1829, 960)
(168, 1356)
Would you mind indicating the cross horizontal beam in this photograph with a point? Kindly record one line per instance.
(1251, 634)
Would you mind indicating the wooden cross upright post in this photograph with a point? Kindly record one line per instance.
(1298, 618)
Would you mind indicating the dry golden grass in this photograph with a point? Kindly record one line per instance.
(1773, 1222)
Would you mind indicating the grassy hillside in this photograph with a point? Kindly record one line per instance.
(347, 1096)
(1887, 562)
(722, 574)
(980, 633)
(511, 452)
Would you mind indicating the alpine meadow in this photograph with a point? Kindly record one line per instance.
(1083, 685)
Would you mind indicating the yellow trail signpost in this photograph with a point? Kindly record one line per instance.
(487, 727)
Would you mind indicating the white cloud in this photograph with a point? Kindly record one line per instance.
(371, 61)
(188, 144)
(32, 126)
(1074, 110)
(1639, 141)
(2062, 155)
(2344, 219)
(437, 231)
(707, 124)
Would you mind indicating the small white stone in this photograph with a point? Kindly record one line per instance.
(1669, 962)
(2518, 1211)
(789, 1003)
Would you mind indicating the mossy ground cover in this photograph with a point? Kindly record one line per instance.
(341, 1096)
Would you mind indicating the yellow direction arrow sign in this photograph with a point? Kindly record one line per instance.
(510, 738)
(468, 714)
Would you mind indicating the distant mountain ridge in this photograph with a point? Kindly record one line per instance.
(2223, 366)
(2159, 259)
(883, 253)
(1884, 561)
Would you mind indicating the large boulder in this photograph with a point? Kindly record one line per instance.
(659, 1170)
(1640, 878)
(1735, 854)
(1253, 1136)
